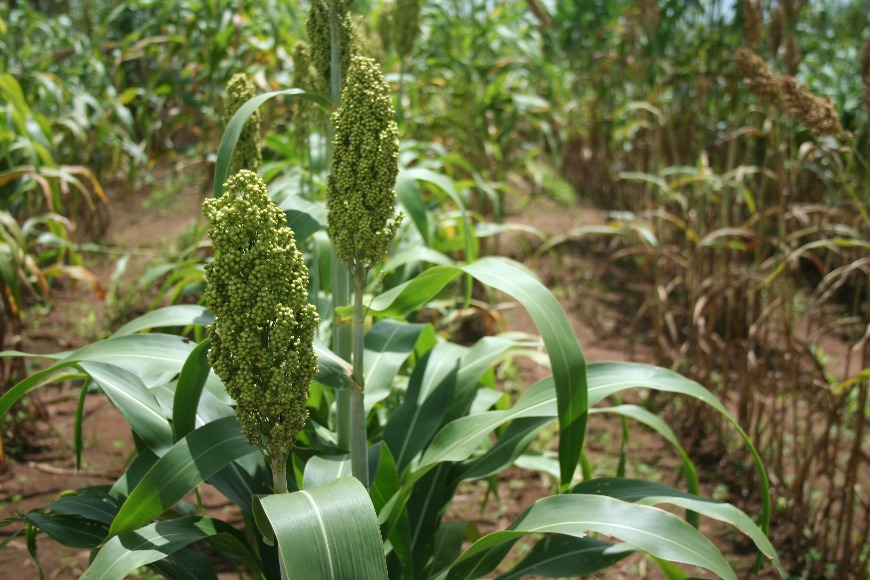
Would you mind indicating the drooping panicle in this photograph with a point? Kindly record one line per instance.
(262, 337)
(365, 162)
(786, 94)
(247, 154)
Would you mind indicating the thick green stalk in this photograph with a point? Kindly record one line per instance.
(358, 437)
(342, 333)
(279, 485)
(279, 473)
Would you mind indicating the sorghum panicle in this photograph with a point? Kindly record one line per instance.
(776, 30)
(247, 154)
(264, 326)
(784, 93)
(406, 26)
(385, 25)
(320, 38)
(307, 114)
(752, 19)
(361, 199)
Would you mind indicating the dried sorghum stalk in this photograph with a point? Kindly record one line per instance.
(247, 154)
(786, 94)
(361, 200)
(264, 327)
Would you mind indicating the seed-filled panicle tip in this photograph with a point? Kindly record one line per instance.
(262, 337)
(361, 199)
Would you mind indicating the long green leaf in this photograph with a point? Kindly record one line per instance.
(458, 440)
(655, 531)
(176, 315)
(135, 402)
(71, 531)
(566, 356)
(189, 462)
(144, 355)
(609, 378)
(558, 556)
(238, 120)
(125, 553)
(413, 423)
(388, 344)
(189, 389)
(329, 532)
(653, 493)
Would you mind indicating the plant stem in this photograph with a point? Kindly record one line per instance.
(358, 435)
(341, 333)
(279, 472)
(279, 485)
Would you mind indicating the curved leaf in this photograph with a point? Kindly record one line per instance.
(609, 378)
(191, 461)
(144, 355)
(329, 532)
(238, 120)
(387, 346)
(131, 550)
(566, 356)
(655, 531)
(189, 389)
(177, 315)
(135, 402)
(558, 556)
(653, 493)
(655, 423)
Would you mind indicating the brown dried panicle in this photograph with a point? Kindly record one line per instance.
(752, 22)
(792, 56)
(787, 95)
(776, 30)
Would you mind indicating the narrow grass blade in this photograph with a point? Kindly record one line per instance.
(189, 389)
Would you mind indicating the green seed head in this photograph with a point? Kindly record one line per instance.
(264, 326)
(406, 22)
(365, 161)
(320, 37)
(385, 25)
(307, 115)
(247, 154)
